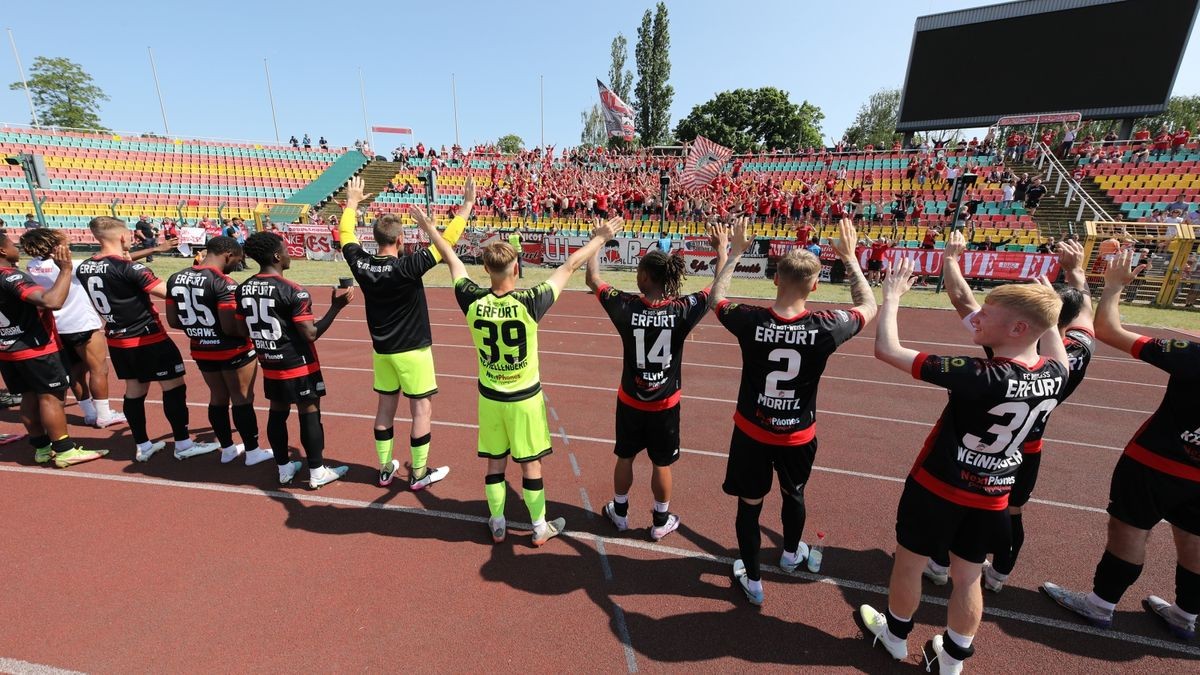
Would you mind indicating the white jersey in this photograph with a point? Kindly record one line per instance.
(77, 314)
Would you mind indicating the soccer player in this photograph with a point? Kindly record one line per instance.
(122, 292)
(278, 315)
(200, 302)
(1157, 477)
(78, 327)
(512, 410)
(956, 495)
(653, 327)
(784, 350)
(398, 319)
(1075, 325)
(29, 361)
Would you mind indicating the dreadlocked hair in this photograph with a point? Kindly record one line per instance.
(41, 242)
(261, 247)
(668, 271)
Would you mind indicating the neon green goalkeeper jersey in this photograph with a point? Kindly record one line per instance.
(504, 329)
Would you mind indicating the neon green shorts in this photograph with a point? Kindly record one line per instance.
(518, 428)
(410, 372)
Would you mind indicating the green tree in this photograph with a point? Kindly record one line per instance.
(594, 132)
(64, 94)
(652, 96)
(510, 144)
(876, 120)
(1182, 111)
(754, 119)
(619, 77)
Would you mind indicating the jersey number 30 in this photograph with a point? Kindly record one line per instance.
(1010, 435)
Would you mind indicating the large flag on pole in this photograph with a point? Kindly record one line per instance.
(618, 116)
(704, 162)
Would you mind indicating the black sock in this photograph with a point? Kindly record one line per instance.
(39, 441)
(953, 650)
(312, 438)
(899, 628)
(793, 513)
(247, 424)
(1004, 561)
(62, 445)
(1113, 577)
(748, 536)
(658, 517)
(277, 434)
(1187, 590)
(175, 408)
(621, 509)
(218, 419)
(135, 416)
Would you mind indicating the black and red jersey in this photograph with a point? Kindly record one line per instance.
(198, 295)
(1170, 440)
(652, 337)
(996, 413)
(271, 306)
(119, 289)
(26, 331)
(782, 362)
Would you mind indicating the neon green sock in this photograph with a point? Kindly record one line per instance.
(496, 491)
(535, 501)
(383, 445)
(419, 447)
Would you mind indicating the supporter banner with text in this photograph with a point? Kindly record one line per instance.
(620, 252)
(998, 265)
(701, 260)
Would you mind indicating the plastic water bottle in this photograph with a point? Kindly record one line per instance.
(815, 553)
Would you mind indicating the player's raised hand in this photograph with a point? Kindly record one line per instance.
(899, 278)
(1120, 269)
(421, 218)
(354, 192)
(469, 191)
(341, 297)
(1070, 254)
(847, 238)
(742, 236)
(62, 257)
(955, 245)
(609, 228)
(718, 235)
(167, 245)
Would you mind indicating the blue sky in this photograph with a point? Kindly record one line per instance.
(210, 61)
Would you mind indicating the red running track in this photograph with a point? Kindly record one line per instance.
(187, 566)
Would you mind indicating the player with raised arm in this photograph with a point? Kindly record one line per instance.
(123, 292)
(1156, 479)
(956, 495)
(784, 351)
(200, 302)
(1075, 325)
(82, 342)
(278, 316)
(398, 321)
(29, 355)
(653, 327)
(512, 409)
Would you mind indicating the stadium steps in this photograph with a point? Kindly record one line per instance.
(375, 175)
(1053, 218)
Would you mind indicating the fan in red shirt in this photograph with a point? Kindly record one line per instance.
(803, 234)
(1180, 138)
(1162, 141)
(875, 258)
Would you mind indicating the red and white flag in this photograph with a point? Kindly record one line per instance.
(618, 116)
(704, 163)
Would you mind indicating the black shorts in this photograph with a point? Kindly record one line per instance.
(1141, 497)
(148, 363)
(655, 432)
(928, 525)
(216, 366)
(71, 344)
(748, 470)
(39, 375)
(1027, 475)
(303, 389)
(874, 265)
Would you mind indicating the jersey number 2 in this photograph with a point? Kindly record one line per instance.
(790, 359)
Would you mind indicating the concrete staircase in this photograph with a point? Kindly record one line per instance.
(1053, 217)
(375, 175)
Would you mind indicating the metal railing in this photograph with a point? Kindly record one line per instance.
(1053, 168)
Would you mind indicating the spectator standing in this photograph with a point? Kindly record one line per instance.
(145, 233)
(1033, 195)
(323, 143)
(31, 223)
(307, 142)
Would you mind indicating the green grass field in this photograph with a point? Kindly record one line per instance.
(319, 273)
